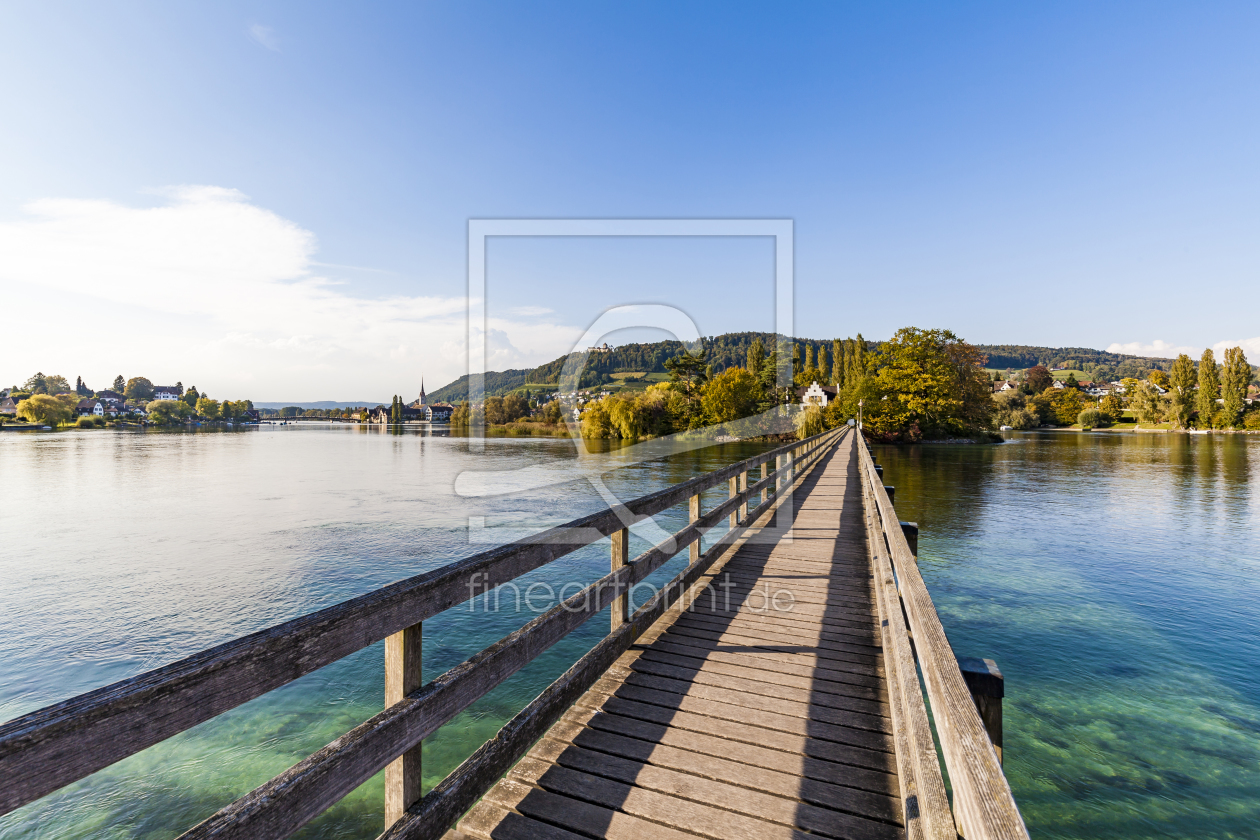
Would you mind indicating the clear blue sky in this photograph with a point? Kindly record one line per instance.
(270, 199)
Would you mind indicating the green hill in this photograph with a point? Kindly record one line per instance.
(731, 350)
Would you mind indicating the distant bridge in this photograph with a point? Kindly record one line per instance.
(738, 716)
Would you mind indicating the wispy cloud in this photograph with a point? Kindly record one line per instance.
(1158, 348)
(530, 311)
(264, 36)
(210, 288)
(1164, 350)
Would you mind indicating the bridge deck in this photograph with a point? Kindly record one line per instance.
(733, 719)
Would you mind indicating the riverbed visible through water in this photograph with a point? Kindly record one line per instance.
(1113, 577)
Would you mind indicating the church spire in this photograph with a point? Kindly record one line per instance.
(422, 390)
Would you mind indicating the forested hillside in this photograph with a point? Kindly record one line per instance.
(1020, 356)
(731, 350)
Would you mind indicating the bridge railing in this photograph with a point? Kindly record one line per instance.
(60, 744)
(983, 807)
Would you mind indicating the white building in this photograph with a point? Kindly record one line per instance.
(165, 392)
(816, 394)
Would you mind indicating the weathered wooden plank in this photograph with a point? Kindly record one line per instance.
(797, 741)
(780, 690)
(591, 819)
(451, 797)
(736, 793)
(305, 790)
(641, 802)
(403, 675)
(701, 747)
(804, 678)
(922, 788)
(796, 707)
(983, 805)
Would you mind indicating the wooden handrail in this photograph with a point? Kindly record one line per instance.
(438, 811)
(983, 806)
(59, 744)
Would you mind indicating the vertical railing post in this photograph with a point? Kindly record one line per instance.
(778, 465)
(402, 676)
(765, 472)
(732, 485)
(693, 514)
(743, 488)
(987, 687)
(621, 556)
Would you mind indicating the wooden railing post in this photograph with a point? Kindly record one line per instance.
(743, 487)
(732, 485)
(892, 493)
(987, 687)
(620, 556)
(911, 530)
(765, 472)
(402, 676)
(693, 513)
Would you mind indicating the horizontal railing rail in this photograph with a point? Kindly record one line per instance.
(55, 746)
(983, 806)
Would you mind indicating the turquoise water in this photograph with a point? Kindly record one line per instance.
(126, 551)
(1114, 579)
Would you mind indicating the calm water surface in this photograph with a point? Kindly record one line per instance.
(1113, 578)
(124, 551)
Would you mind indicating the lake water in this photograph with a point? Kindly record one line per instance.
(1112, 577)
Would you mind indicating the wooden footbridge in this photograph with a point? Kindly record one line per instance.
(771, 690)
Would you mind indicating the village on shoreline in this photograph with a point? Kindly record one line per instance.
(920, 385)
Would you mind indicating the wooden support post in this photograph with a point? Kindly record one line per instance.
(879, 471)
(693, 513)
(620, 556)
(778, 482)
(987, 688)
(732, 487)
(892, 493)
(765, 471)
(740, 487)
(402, 676)
(911, 530)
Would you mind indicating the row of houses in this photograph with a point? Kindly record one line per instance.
(419, 411)
(1094, 389)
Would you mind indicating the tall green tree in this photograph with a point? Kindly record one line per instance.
(690, 370)
(798, 364)
(119, 383)
(824, 369)
(837, 363)
(1181, 391)
(1209, 386)
(1235, 377)
(931, 383)
(756, 357)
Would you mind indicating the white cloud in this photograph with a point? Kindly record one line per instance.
(264, 36)
(1164, 350)
(1157, 348)
(208, 288)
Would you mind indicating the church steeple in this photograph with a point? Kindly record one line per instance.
(421, 401)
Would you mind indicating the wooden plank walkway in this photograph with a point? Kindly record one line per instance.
(733, 719)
